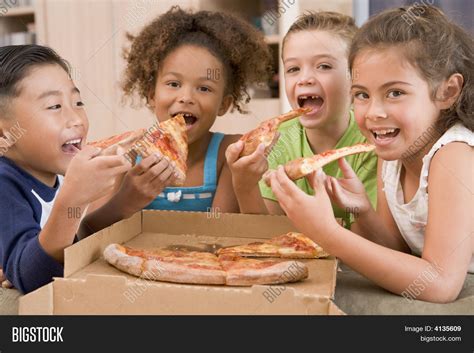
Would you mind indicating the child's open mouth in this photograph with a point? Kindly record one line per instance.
(72, 146)
(310, 101)
(189, 118)
(384, 136)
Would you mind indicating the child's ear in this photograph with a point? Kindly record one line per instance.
(151, 99)
(225, 105)
(3, 140)
(449, 91)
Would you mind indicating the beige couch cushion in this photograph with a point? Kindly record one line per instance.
(356, 295)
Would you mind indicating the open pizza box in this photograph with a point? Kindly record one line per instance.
(92, 287)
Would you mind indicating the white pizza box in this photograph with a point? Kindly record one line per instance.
(92, 287)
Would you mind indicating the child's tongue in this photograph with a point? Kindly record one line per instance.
(69, 148)
(313, 103)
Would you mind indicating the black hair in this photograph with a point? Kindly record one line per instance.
(16, 61)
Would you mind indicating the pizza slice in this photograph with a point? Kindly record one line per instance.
(291, 245)
(118, 144)
(168, 138)
(167, 265)
(246, 272)
(301, 167)
(267, 132)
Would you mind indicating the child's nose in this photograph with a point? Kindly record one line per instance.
(306, 80)
(375, 110)
(74, 118)
(186, 100)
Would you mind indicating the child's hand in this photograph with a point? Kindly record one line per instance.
(312, 215)
(88, 179)
(4, 281)
(347, 192)
(246, 171)
(143, 183)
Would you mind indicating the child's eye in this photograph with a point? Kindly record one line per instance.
(324, 67)
(292, 69)
(80, 104)
(205, 89)
(54, 107)
(394, 94)
(361, 95)
(173, 84)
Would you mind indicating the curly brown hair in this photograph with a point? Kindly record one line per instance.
(237, 44)
(435, 46)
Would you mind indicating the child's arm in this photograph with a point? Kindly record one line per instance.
(225, 199)
(349, 193)
(87, 179)
(439, 274)
(246, 173)
(139, 187)
(31, 255)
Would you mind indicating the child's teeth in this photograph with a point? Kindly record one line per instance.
(384, 132)
(73, 142)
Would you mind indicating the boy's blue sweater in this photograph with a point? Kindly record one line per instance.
(25, 206)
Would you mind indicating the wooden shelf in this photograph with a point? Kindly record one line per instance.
(20, 11)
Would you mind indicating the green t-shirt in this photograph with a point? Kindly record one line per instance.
(293, 144)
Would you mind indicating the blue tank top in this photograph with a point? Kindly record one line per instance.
(195, 198)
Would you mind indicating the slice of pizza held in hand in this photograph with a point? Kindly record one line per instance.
(301, 167)
(118, 144)
(168, 138)
(267, 132)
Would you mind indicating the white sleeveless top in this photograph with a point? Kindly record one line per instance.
(411, 217)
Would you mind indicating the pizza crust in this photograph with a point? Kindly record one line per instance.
(177, 273)
(115, 255)
(287, 245)
(282, 272)
(267, 133)
(301, 167)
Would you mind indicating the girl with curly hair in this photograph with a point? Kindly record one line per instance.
(199, 64)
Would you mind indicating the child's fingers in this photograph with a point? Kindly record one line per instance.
(287, 185)
(267, 177)
(232, 152)
(329, 188)
(89, 152)
(336, 189)
(276, 187)
(155, 171)
(273, 143)
(112, 161)
(256, 157)
(317, 179)
(145, 164)
(122, 169)
(163, 178)
(346, 169)
(7, 284)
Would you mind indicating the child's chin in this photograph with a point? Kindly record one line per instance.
(312, 122)
(388, 155)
